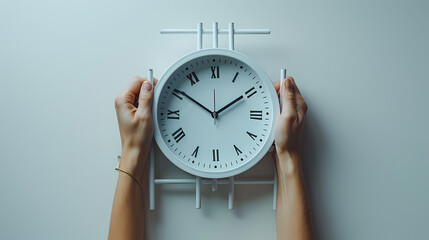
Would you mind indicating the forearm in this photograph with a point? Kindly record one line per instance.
(127, 211)
(293, 214)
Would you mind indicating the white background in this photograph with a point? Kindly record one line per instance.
(361, 66)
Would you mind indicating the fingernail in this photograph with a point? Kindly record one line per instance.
(147, 86)
(288, 84)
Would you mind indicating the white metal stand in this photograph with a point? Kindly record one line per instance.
(231, 181)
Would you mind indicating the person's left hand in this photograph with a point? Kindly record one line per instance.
(135, 124)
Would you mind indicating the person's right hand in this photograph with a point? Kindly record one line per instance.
(292, 209)
(290, 123)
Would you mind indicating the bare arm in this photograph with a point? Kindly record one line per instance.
(293, 214)
(136, 129)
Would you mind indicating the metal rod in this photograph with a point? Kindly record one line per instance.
(199, 36)
(231, 193)
(151, 180)
(150, 75)
(198, 192)
(215, 35)
(282, 78)
(256, 182)
(275, 188)
(231, 36)
(210, 181)
(151, 163)
(214, 185)
(174, 181)
(220, 31)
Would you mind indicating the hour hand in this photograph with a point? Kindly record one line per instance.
(228, 105)
(193, 100)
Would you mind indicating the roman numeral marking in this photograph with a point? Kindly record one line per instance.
(193, 78)
(250, 92)
(215, 71)
(235, 77)
(195, 153)
(173, 114)
(178, 135)
(176, 93)
(256, 114)
(215, 155)
(253, 136)
(238, 151)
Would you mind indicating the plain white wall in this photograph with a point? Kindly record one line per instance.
(362, 66)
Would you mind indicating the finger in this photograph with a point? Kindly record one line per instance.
(145, 99)
(128, 96)
(288, 99)
(155, 81)
(301, 105)
(276, 86)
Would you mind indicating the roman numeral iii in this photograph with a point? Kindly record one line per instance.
(178, 135)
(193, 78)
(215, 155)
(256, 114)
(173, 114)
(215, 71)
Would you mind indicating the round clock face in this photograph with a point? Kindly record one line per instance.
(214, 112)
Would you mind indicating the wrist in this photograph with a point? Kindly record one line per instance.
(134, 161)
(289, 164)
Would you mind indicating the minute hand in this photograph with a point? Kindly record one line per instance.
(229, 104)
(193, 100)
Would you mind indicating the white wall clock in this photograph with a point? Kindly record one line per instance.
(214, 112)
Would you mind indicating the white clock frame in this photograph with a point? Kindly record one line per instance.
(262, 77)
(261, 73)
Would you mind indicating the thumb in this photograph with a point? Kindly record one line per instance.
(288, 99)
(145, 98)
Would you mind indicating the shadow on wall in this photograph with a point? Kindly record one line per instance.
(313, 151)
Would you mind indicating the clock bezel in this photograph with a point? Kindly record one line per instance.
(263, 77)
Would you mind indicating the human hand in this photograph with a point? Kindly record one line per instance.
(135, 124)
(290, 123)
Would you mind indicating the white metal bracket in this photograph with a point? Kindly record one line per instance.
(197, 181)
